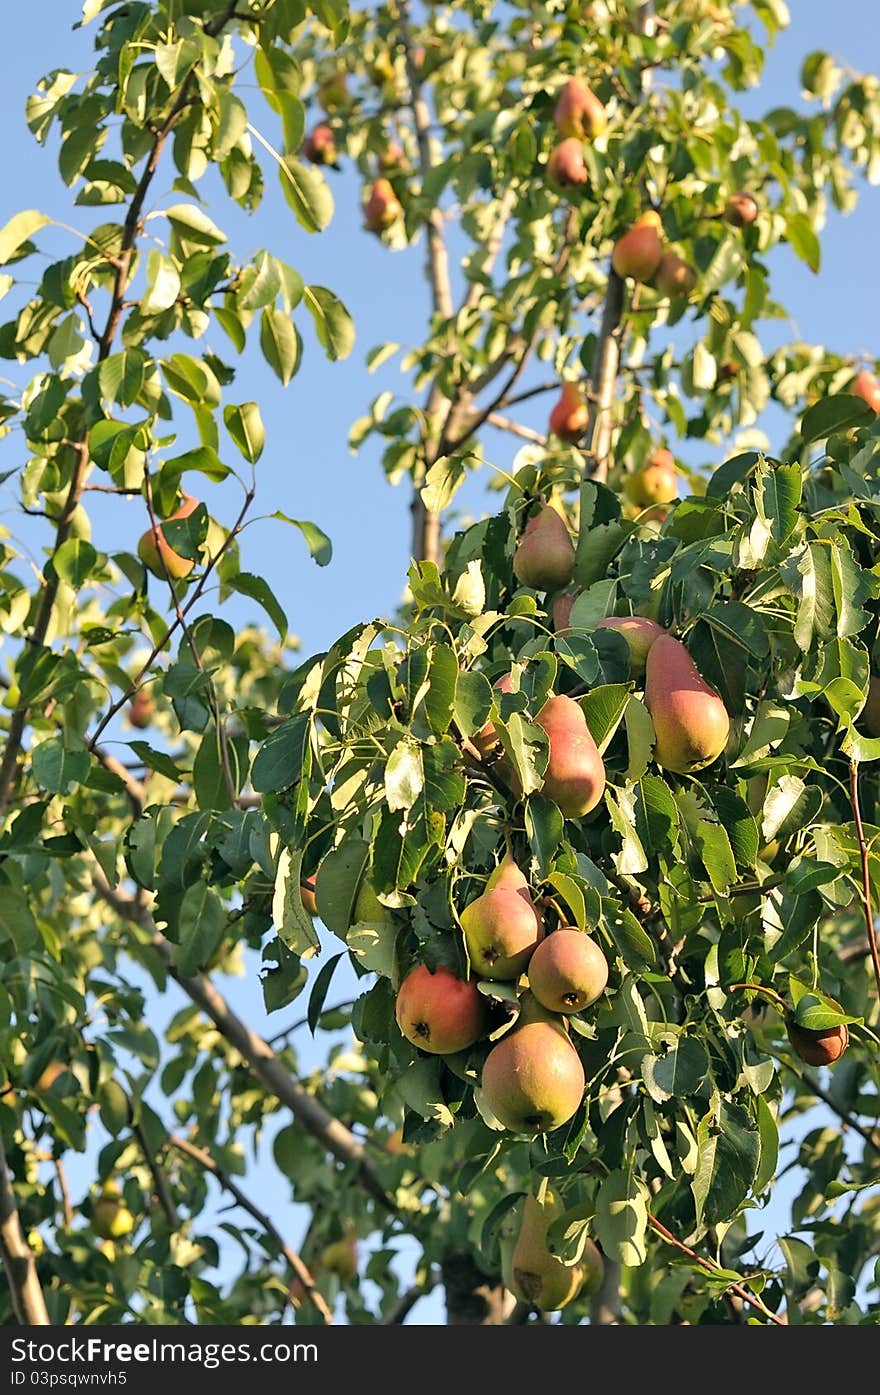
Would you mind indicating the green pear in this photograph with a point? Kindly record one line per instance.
(691, 723)
(110, 1216)
(544, 556)
(568, 971)
(674, 276)
(639, 633)
(157, 554)
(575, 774)
(501, 926)
(368, 907)
(655, 483)
(536, 1275)
(533, 1079)
(439, 1012)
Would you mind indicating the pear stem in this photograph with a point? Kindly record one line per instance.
(759, 988)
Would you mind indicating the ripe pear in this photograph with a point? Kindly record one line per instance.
(544, 556)
(153, 547)
(141, 709)
(691, 723)
(110, 1216)
(501, 926)
(568, 971)
(575, 774)
(570, 415)
(566, 168)
(391, 156)
(319, 145)
(740, 210)
(655, 483)
(674, 276)
(486, 740)
(578, 111)
(308, 898)
(869, 717)
(866, 386)
(639, 633)
(638, 251)
(535, 1275)
(438, 1012)
(382, 207)
(563, 604)
(817, 1048)
(532, 1079)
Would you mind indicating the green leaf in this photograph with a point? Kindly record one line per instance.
(75, 561)
(528, 749)
(247, 584)
(307, 192)
(280, 343)
(781, 495)
(832, 415)
(545, 827)
(803, 239)
(680, 1071)
(156, 760)
(333, 324)
(473, 702)
(404, 775)
(817, 1013)
(245, 426)
(280, 761)
(318, 995)
(621, 1219)
(319, 545)
(713, 845)
(289, 915)
(200, 928)
(633, 943)
(440, 699)
(193, 225)
(18, 230)
(338, 880)
(58, 769)
(604, 708)
(727, 1163)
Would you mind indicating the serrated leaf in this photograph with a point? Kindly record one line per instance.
(404, 775)
(58, 769)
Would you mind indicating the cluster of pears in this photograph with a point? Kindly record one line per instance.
(529, 1268)
(532, 1079)
(691, 722)
(579, 117)
(641, 254)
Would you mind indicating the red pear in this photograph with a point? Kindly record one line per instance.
(869, 717)
(438, 1012)
(566, 168)
(568, 971)
(544, 556)
(578, 111)
(638, 251)
(575, 774)
(563, 605)
(319, 145)
(382, 207)
(486, 740)
(674, 276)
(817, 1048)
(655, 483)
(570, 415)
(153, 548)
(866, 386)
(501, 926)
(741, 209)
(691, 723)
(141, 709)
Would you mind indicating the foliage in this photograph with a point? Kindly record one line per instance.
(355, 774)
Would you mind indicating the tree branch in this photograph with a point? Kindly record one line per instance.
(709, 1264)
(409, 1298)
(160, 1181)
(28, 1302)
(339, 1141)
(294, 1260)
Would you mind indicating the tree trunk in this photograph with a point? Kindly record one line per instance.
(473, 1300)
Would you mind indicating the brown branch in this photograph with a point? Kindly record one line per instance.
(408, 1300)
(28, 1303)
(66, 1203)
(605, 370)
(871, 1136)
(258, 1055)
(515, 428)
(160, 1181)
(709, 1264)
(294, 1260)
(866, 873)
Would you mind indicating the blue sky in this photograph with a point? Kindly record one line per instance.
(307, 470)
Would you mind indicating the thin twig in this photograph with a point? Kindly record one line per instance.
(294, 1259)
(160, 1181)
(66, 1203)
(713, 1268)
(409, 1298)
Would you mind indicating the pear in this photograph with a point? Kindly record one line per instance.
(333, 92)
(535, 1275)
(568, 971)
(639, 633)
(740, 210)
(817, 1048)
(578, 111)
(638, 251)
(563, 604)
(570, 415)
(869, 717)
(154, 549)
(575, 774)
(691, 723)
(110, 1216)
(382, 207)
(439, 1012)
(486, 740)
(544, 556)
(340, 1257)
(319, 145)
(566, 168)
(866, 386)
(674, 276)
(141, 709)
(501, 926)
(391, 156)
(532, 1079)
(655, 483)
(308, 897)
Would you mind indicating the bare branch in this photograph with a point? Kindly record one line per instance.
(28, 1302)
